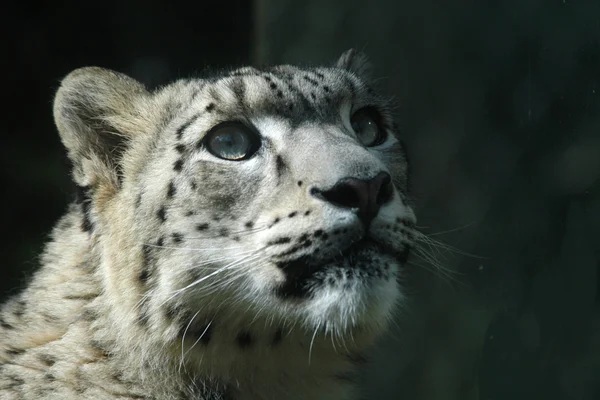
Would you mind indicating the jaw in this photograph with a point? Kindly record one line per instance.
(300, 341)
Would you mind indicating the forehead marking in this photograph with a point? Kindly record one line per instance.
(181, 130)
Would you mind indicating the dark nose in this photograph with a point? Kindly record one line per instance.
(365, 195)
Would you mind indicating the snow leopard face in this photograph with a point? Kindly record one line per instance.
(276, 194)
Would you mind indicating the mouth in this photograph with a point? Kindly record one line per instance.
(360, 259)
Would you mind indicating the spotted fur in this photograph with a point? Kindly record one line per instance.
(181, 275)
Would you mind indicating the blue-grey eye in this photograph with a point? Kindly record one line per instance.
(366, 124)
(232, 141)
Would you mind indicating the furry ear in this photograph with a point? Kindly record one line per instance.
(96, 112)
(356, 62)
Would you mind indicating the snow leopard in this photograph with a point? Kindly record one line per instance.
(240, 236)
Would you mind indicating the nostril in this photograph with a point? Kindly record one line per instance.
(342, 195)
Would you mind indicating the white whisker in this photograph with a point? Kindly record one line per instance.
(312, 342)
(183, 339)
(199, 338)
(194, 248)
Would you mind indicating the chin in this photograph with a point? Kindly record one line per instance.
(356, 292)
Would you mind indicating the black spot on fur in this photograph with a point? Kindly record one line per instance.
(311, 80)
(299, 183)
(238, 87)
(89, 315)
(244, 339)
(318, 232)
(172, 311)
(146, 261)
(202, 227)
(210, 107)
(182, 128)
(83, 197)
(47, 359)
(144, 275)
(177, 237)
(171, 190)
(162, 214)
(118, 376)
(138, 201)
(5, 324)
(19, 308)
(100, 347)
(193, 185)
(249, 224)
(49, 377)
(223, 232)
(292, 214)
(178, 165)
(276, 220)
(307, 213)
(15, 381)
(180, 148)
(160, 242)
(281, 240)
(12, 351)
(280, 166)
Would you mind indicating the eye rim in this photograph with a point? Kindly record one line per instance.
(375, 115)
(252, 135)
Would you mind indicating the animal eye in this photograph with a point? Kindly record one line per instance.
(232, 141)
(366, 125)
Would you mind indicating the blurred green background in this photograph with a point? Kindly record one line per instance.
(499, 105)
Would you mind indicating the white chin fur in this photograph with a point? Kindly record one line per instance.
(346, 307)
(364, 305)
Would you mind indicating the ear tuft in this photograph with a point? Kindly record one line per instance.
(96, 112)
(356, 62)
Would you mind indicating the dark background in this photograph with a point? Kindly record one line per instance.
(499, 105)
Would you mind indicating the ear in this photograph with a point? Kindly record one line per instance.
(356, 62)
(97, 112)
